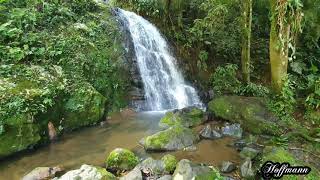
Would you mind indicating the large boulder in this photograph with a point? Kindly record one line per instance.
(32, 96)
(188, 117)
(250, 112)
(174, 138)
(121, 160)
(189, 170)
(25, 92)
(88, 172)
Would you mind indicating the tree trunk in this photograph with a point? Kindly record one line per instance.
(278, 51)
(246, 39)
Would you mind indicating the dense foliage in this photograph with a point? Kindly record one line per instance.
(60, 61)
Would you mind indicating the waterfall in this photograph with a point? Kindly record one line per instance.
(164, 86)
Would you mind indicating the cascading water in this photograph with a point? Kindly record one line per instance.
(164, 85)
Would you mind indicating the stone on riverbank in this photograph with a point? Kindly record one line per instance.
(189, 170)
(121, 160)
(187, 117)
(174, 138)
(209, 133)
(42, 173)
(87, 172)
(170, 162)
(134, 174)
(233, 130)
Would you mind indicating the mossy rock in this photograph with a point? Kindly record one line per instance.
(121, 160)
(88, 172)
(281, 155)
(174, 138)
(188, 117)
(170, 162)
(84, 107)
(250, 112)
(18, 137)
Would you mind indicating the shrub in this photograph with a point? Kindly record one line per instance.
(224, 80)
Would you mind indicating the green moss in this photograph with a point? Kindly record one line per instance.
(251, 113)
(83, 108)
(212, 175)
(159, 140)
(279, 154)
(313, 116)
(188, 118)
(170, 162)
(121, 159)
(175, 137)
(105, 174)
(17, 138)
(170, 119)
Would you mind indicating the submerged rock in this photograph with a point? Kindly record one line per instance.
(187, 117)
(87, 172)
(42, 173)
(233, 130)
(189, 170)
(173, 138)
(121, 160)
(209, 133)
(228, 167)
(250, 112)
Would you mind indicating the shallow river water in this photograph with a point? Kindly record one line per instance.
(91, 146)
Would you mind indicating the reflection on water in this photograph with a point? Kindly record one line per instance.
(91, 146)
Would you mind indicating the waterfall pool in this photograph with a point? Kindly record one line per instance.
(91, 146)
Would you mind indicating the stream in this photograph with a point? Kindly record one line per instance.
(92, 145)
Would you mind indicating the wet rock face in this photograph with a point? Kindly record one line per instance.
(187, 117)
(136, 93)
(250, 112)
(173, 138)
(42, 173)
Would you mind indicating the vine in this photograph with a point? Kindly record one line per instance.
(288, 17)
